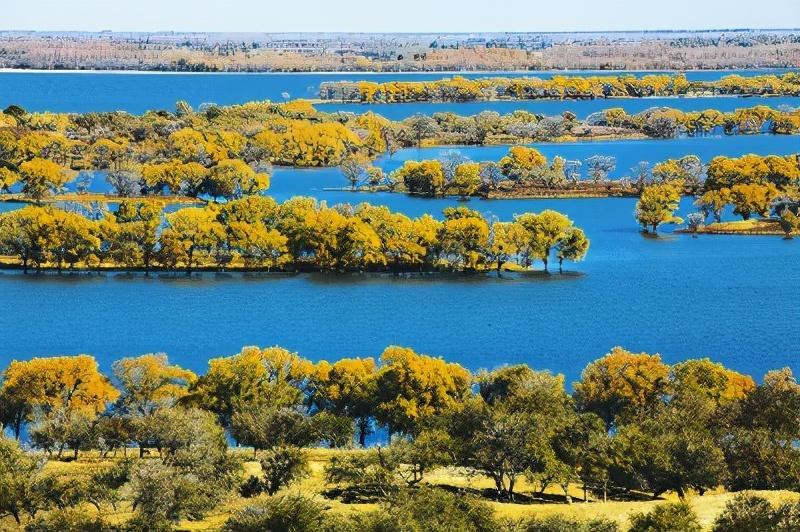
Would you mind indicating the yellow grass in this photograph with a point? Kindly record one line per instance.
(753, 226)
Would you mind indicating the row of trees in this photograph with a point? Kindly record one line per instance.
(490, 127)
(526, 170)
(301, 233)
(461, 89)
(632, 423)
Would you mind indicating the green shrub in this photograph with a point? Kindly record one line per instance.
(787, 517)
(746, 513)
(282, 466)
(436, 510)
(252, 487)
(559, 523)
(289, 513)
(668, 517)
(71, 520)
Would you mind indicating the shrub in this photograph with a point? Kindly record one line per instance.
(290, 513)
(252, 487)
(559, 523)
(282, 466)
(746, 513)
(71, 519)
(436, 510)
(667, 517)
(362, 474)
(787, 517)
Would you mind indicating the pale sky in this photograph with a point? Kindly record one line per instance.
(395, 16)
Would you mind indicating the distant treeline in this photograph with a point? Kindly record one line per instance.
(256, 233)
(631, 423)
(459, 89)
(197, 52)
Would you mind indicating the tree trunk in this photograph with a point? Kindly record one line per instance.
(362, 432)
(567, 496)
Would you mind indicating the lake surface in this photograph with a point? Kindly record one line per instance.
(734, 299)
(136, 93)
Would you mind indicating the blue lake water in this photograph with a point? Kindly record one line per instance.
(136, 93)
(734, 299)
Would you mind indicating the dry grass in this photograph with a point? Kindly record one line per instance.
(753, 226)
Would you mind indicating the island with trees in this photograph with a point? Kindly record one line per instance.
(460, 89)
(767, 187)
(255, 233)
(147, 446)
(220, 152)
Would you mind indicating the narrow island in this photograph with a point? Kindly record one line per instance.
(559, 87)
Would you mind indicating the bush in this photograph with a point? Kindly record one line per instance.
(291, 513)
(252, 487)
(362, 474)
(436, 510)
(668, 517)
(73, 520)
(746, 513)
(282, 466)
(753, 513)
(559, 523)
(787, 517)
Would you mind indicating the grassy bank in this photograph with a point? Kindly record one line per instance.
(740, 227)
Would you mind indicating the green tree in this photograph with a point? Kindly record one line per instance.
(18, 476)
